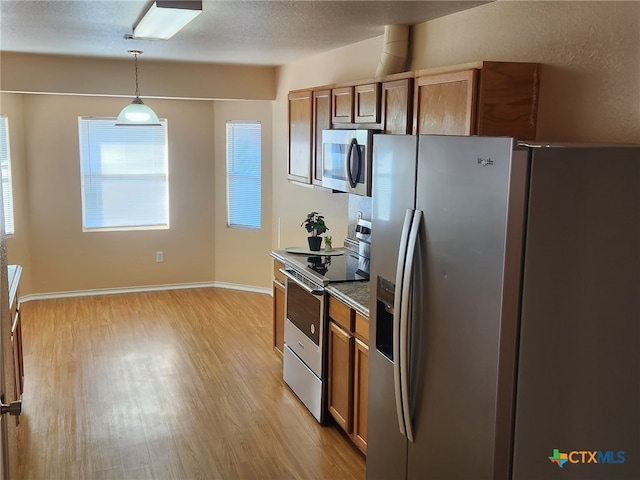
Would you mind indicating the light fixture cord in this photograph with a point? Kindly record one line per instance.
(135, 57)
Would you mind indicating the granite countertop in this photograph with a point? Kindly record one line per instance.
(354, 294)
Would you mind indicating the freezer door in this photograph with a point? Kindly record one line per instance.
(394, 170)
(578, 393)
(467, 234)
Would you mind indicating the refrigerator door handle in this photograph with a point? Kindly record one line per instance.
(397, 358)
(406, 319)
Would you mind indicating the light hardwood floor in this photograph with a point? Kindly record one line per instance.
(164, 385)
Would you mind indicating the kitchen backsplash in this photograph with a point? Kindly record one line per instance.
(357, 203)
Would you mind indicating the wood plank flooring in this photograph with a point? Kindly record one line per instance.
(179, 384)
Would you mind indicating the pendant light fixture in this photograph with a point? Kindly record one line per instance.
(137, 113)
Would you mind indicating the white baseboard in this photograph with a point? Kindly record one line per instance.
(149, 288)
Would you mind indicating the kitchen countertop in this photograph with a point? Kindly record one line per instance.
(354, 294)
(13, 273)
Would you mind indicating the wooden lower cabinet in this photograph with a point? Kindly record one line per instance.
(14, 273)
(16, 340)
(278, 307)
(348, 363)
(360, 393)
(340, 375)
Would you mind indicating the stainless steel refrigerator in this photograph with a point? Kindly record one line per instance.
(505, 310)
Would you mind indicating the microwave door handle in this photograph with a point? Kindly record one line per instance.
(353, 143)
(359, 172)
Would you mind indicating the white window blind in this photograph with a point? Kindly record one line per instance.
(244, 165)
(124, 175)
(5, 165)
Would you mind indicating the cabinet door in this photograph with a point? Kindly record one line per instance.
(321, 121)
(340, 376)
(342, 105)
(508, 99)
(278, 317)
(360, 393)
(445, 104)
(299, 168)
(397, 106)
(367, 103)
(341, 314)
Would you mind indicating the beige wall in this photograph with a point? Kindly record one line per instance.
(241, 255)
(198, 248)
(292, 202)
(18, 245)
(63, 257)
(590, 85)
(100, 76)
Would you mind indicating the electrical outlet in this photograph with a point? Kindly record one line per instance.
(359, 215)
(159, 257)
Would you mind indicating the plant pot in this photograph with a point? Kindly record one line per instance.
(314, 243)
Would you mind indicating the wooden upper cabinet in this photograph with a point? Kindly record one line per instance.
(396, 106)
(478, 98)
(367, 103)
(300, 136)
(445, 103)
(342, 105)
(359, 104)
(321, 121)
(488, 98)
(508, 99)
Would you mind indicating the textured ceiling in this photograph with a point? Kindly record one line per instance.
(261, 32)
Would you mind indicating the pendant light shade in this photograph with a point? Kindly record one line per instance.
(137, 113)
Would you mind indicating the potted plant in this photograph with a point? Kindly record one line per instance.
(314, 224)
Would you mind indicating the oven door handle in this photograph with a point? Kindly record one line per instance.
(300, 284)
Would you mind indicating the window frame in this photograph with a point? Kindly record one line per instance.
(165, 224)
(7, 193)
(230, 175)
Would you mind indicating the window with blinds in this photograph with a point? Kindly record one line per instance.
(244, 165)
(5, 166)
(124, 175)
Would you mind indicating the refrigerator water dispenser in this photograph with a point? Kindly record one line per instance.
(384, 318)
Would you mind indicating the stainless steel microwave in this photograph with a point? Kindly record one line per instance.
(346, 160)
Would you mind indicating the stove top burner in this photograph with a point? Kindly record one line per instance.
(343, 268)
(325, 269)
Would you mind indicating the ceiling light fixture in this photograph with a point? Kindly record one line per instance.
(137, 113)
(165, 18)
